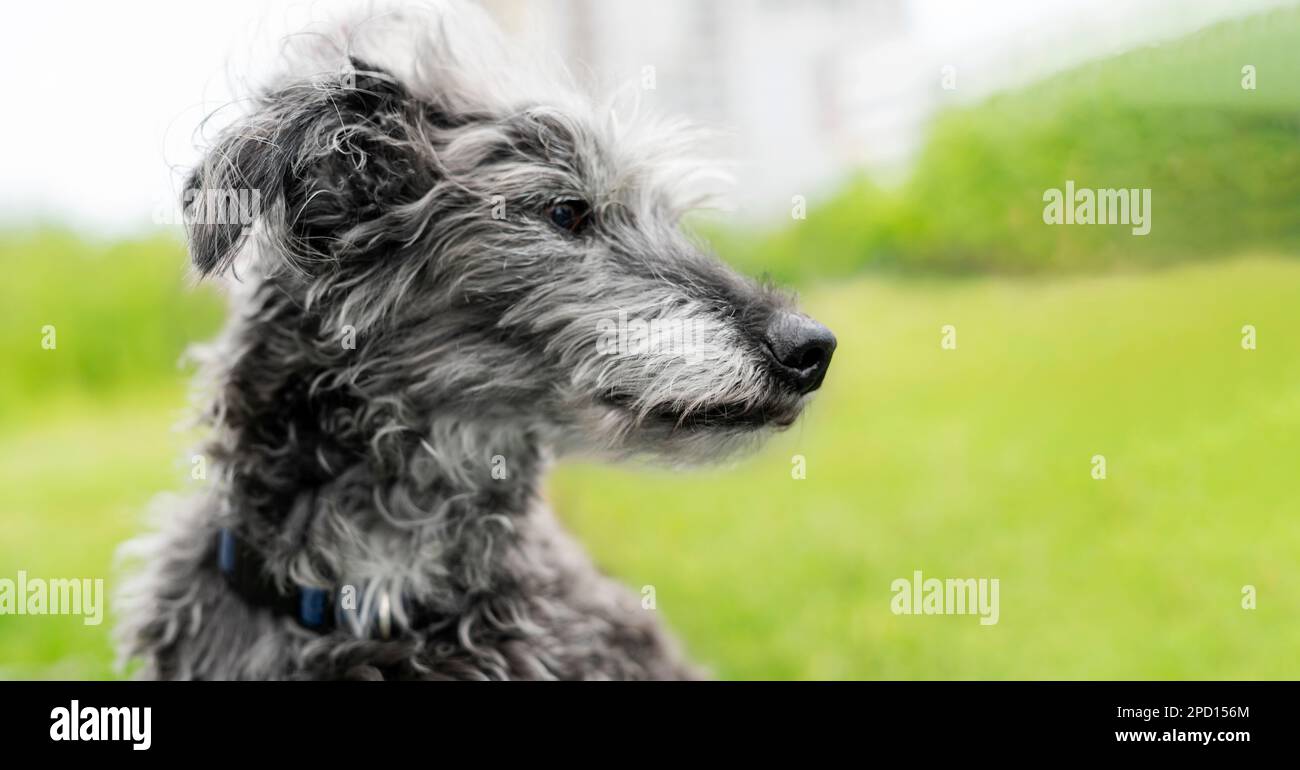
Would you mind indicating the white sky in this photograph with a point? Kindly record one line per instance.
(103, 99)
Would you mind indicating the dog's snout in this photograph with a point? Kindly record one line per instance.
(801, 349)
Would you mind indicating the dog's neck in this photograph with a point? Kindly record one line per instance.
(329, 479)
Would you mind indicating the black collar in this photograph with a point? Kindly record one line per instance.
(364, 613)
(246, 574)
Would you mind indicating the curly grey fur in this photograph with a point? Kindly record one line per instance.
(404, 173)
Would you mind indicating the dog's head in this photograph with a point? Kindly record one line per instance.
(498, 253)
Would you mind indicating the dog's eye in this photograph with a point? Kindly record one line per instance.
(570, 216)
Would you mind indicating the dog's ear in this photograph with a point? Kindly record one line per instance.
(317, 163)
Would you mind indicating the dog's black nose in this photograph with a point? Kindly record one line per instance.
(801, 348)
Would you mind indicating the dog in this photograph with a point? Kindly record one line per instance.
(447, 284)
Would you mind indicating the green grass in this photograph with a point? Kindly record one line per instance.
(975, 463)
(965, 463)
(122, 312)
(75, 479)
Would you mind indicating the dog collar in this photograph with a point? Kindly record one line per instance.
(245, 572)
(371, 614)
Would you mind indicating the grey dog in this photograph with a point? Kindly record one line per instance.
(455, 274)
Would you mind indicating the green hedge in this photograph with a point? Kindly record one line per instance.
(1222, 162)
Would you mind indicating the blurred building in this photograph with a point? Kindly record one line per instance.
(812, 89)
(772, 73)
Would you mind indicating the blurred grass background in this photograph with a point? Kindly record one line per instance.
(1073, 341)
